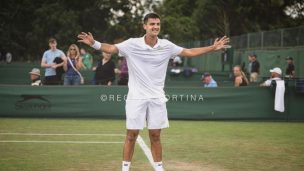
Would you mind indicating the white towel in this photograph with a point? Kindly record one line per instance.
(279, 96)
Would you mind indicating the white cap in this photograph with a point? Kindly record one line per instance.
(35, 71)
(276, 70)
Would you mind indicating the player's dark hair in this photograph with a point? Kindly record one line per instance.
(150, 15)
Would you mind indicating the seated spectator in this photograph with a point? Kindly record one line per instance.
(275, 75)
(35, 77)
(208, 80)
(177, 61)
(240, 77)
(122, 70)
(255, 68)
(105, 74)
(72, 65)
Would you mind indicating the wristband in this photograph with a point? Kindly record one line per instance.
(96, 45)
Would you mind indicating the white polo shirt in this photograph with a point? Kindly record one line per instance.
(147, 66)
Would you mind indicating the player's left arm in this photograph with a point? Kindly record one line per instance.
(217, 45)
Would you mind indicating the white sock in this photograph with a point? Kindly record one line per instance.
(158, 166)
(126, 165)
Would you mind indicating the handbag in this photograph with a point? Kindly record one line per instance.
(81, 77)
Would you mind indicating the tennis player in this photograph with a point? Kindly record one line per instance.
(147, 59)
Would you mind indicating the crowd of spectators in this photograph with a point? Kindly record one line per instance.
(251, 75)
(65, 68)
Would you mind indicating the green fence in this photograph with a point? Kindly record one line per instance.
(272, 47)
(184, 103)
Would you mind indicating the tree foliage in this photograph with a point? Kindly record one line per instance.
(26, 25)
(209, 18)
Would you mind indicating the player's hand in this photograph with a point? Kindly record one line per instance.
(221, 43)
(86, 38)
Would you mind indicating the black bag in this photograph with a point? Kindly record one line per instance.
(59, 70)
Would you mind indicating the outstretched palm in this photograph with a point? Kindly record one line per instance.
(221, 43)
(86, 38)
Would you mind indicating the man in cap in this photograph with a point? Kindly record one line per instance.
(35, 77)
(208, 80)
(276, 74)
(290, 70)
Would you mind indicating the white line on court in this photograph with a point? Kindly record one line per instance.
(62, 142)
(145, 149)
(51, 134)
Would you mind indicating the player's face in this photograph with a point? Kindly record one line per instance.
(152, 26)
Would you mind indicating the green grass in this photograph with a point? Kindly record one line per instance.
(188, 146)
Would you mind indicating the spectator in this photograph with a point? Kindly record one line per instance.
(35, 77)
(240, 77)
(208, 80)
(105, 74)
(290, 70)
(87, 59)
(122, 70)
(275, 75)
(249, 65)
(8, 57)
(72, 65)
(255, 68)
(177, 61)
(48, 63)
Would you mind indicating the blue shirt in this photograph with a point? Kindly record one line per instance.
(212, 83)
(49, 57)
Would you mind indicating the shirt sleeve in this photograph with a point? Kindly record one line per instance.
(175, 50)
(267, 83)
(61, 53)
(123, 47)
(44, 56)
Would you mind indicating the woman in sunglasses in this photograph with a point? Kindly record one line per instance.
(72, 66)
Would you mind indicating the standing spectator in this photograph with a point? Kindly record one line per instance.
(87, 59)
(240, 77)
(105, 74)
(208, 80)
(275, 75)
(47, 62)
(72, 65)
(290, 70)
(35, 77)
(122, 70)
(255, 68)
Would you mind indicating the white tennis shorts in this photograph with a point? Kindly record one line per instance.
(150, 113)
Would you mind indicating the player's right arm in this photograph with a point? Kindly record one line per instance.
(87, 38)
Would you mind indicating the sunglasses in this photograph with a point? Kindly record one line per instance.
(72, 49)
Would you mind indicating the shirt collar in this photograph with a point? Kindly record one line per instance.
(157, 45)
